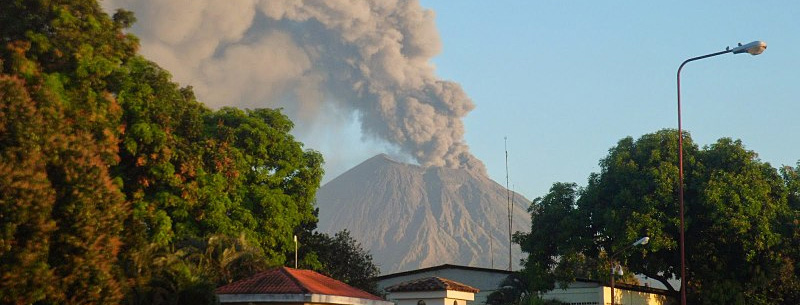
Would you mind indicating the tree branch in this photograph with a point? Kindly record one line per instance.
(661, 279)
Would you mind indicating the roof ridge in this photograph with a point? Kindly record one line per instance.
(287, 271)
(442, 281)
(431, 283)
(443, 266)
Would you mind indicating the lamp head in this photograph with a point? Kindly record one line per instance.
(753, 48)
(642, 241)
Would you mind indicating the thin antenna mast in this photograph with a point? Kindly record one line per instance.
(508, 203)
(491, 248)
(511, 219)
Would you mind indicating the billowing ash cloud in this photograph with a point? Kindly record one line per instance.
(322, 61)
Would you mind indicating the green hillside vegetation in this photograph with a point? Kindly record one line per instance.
(118, 186)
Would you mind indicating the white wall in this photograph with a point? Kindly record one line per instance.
(448, 297)
(582, 292)
(486, 281)
(628, 297)
(575, 295)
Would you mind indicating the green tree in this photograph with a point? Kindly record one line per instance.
(273, 180)
(513, 290)
(227, 259)
(556, 210)
(789, 287)
(341, 257)
(735, 205)
(116, 181)
(734, 234)
(194, 174)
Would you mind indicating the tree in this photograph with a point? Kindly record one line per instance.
(116, 181)
(556, 210)
(513, 290)
(62, 54)
(228, 186)
(26, 198)
(272, 180)
(790, 243)
(341, 257)
(735, 205)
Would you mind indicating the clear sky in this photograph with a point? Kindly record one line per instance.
(565, 80)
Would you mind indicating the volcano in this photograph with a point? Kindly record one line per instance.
(412, 217)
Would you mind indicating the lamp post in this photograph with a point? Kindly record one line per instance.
(641, 241)
(753, 48)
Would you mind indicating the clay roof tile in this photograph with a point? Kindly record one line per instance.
(431, 284)
(286, 280)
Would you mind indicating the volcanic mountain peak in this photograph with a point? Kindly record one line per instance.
(412, 217)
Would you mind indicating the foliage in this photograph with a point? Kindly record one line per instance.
(343, 258)
(515, 290)
(61, 239)
(198, 175)
(117, 185)
(736, 208)
(26, 198)
(189, 274)
(340, 257)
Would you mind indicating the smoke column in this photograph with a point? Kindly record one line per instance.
(331, 61)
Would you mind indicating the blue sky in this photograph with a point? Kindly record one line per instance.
(565, 80)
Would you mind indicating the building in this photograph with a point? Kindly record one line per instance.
(431, 291)
(581, 292)
(439, 285)
(589, 292)
(288, 286)
(484, 279)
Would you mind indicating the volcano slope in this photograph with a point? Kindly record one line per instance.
(411, 217)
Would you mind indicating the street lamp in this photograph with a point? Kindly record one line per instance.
(753, 48)
(641, 241)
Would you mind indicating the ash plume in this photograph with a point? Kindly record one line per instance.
(324, 62)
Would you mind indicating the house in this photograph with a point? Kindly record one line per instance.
(431, 291)
(484, 279)
(288, 286)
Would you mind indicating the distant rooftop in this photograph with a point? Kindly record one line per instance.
(286, 280)
(431, 284)
(442, 267)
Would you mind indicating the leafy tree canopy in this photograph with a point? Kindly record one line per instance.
(741, 222)
(339, 256)
(117, 185)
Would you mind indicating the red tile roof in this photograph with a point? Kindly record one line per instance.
(431, 284)
(286, 280)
